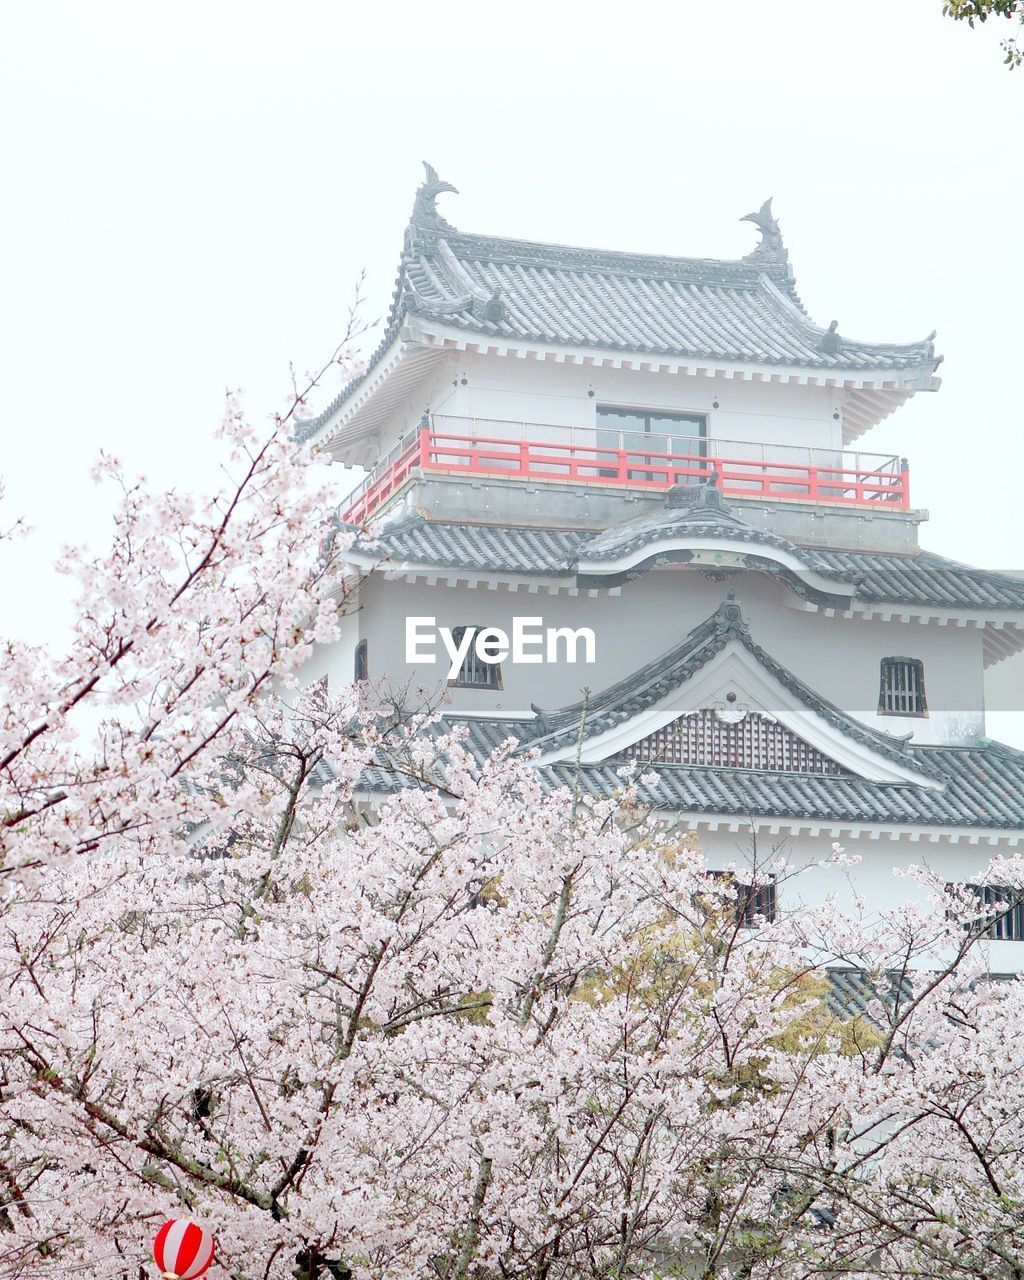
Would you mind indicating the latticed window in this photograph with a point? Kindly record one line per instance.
(902, 688)
(474, 671)
(1008, 907)
(755, 742)
(754, 902)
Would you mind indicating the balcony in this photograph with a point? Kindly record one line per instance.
(631, 461)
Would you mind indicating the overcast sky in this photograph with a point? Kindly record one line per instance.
(191, 190)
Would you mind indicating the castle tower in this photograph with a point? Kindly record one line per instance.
(657, 464)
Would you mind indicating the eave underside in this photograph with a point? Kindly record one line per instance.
(368, 407)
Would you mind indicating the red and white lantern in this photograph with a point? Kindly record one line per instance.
(182, 1249)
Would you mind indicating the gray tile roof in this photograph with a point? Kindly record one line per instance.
(744, 311)
(982, 785)
(924, 578)
(880, 578)
(478, 547)
(852, 991)
(984, 788)
(552, 294)
(697, 512)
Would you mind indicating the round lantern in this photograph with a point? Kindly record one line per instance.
(182, 1249)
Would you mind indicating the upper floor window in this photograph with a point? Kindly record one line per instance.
(475, 672)
(638, 439)
(653, 422)
(361, 666)
(754, 904)
(1006, 911)
(901, 690)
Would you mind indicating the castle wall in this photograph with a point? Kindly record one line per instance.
(872, 880)
(839, 658)
(503, 387)
(497, 388)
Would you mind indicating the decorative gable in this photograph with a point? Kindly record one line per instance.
(731, 738)
(688, 707)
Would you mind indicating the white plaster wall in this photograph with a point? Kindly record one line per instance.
(336, 661)
(504, 387)
(839, 658)
(432, 395)
(507, 388)
(872, 878)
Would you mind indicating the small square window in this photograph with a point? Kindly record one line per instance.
(901, 689)
(474, 673)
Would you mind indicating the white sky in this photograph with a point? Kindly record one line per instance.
(191, 189)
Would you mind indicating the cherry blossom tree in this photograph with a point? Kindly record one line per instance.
(292, 962)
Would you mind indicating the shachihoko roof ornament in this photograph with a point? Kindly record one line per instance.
(465, 295)
(424, 209)
(770, 248)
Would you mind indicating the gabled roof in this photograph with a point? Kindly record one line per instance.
(695, 517)
(738, 312)
(976, 788)
(573, 728)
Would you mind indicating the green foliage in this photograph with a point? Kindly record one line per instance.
(975, 11)
(817, 1027)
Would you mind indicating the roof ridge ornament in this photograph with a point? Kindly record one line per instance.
(771, 248)
(424, 209)
(485, 304)
(491, 309)
(705, 494)
(730, 617)
(830, 339)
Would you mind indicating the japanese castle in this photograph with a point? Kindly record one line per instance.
(655, 463)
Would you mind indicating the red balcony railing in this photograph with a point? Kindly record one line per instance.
(386, 477)
(598, 456)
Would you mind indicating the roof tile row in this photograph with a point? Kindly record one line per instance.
(924, 579)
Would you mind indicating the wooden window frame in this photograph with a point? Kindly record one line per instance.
(361, 662)
(752, 900)
(1008, 927)
(915, 684)
(493, 669)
